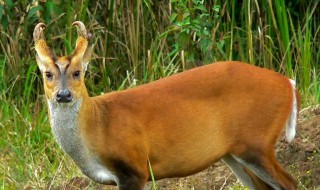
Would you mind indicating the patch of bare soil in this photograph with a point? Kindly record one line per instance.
(301, 158)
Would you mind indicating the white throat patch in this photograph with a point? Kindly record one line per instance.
(65, 127)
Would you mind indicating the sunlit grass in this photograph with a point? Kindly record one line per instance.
(135, 43)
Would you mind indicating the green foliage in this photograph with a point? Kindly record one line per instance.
(137, 42)
(192, 24)
(6, 12)
(284, 33)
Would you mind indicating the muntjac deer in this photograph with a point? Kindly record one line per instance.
(182, 124)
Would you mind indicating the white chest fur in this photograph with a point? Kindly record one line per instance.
(65, 127)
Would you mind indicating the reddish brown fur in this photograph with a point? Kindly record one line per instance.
(184, 123)
(181, 114)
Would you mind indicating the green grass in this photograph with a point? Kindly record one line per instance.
(136, 43)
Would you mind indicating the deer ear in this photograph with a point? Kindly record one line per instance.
(87, 56)
(42, 65)
(82, 50)
(44, 55)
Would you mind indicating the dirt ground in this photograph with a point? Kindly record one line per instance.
(300, 157)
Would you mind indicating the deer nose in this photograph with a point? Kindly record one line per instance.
(63, 96)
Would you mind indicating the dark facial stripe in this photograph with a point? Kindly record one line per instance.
(67, 66)
(62, 72)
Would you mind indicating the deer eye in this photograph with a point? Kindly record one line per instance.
(76, 74)
(49, 75)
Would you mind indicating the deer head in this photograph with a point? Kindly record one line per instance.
(63, 76)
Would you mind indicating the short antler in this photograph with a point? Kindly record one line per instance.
(82, 42)
(38, 32)
(81, 29)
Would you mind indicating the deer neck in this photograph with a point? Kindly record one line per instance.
(65, 123)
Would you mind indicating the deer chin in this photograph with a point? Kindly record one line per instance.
(71, 104)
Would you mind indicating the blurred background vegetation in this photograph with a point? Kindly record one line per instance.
(138, 42)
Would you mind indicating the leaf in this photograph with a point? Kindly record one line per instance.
(220, 44)
(32, 20)
(49, 10)
(186, 15)
(4, 22)
(204, 16)
(33, 11)
(196, 21)
(185, 23)
(216, 8)
(8, 11)
(201, 7)
(8, 3)
(173, 17)
(206, 32)
(198, 1)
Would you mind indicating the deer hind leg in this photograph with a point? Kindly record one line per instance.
(266, 167)
(248, 178)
